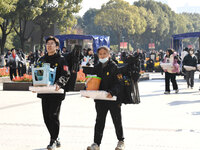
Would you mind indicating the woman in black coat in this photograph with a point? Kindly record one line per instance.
(106, 69)
(190, 60)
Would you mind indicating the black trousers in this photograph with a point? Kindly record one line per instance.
(21, 69)
(72, 81)
(51, 113)
(172, 77)
(190, 78)
(13, 71)
(102, 109)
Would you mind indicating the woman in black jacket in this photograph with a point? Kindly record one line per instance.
(190, 60)
(12, 62)
(51, 103)
(107, 70)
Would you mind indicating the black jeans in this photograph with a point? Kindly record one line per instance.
(20, 73)
(72, 81)
(13, 71)
(172, 77)
(102, 110)
(51, 112)
(190, 78)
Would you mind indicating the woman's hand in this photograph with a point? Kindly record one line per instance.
(57, 87)
(109, 95)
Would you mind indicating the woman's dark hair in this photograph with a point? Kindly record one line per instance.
(12, 49)
(89, 49)
(185, 49)
(54, 39)
(191, 49)
(171, 51)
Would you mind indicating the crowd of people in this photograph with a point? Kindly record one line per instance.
(184, 65)
(20, 64)
(104, 64)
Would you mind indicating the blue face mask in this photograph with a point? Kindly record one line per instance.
(103, 60)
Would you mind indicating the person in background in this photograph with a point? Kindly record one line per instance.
(106, 69)
(142, 60)
(123, 56)
(198, 56)
(91, 58)
(41, 53)
(6, 57)
(12, 63)
(36, 56)
(64, 51)
(161, 56)
(153, 55)
(170, 75)
(22, 63)
(184, 53)
(84, 52)
(30, 60)
(74, 60)
(150, 65)
(190, 60)
(51, 102)
(113, 56)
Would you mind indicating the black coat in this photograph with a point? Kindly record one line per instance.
(73, 59)
(190, 61)
(124, 87)
(62, 74)
(108, 75)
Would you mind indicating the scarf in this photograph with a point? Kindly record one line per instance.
(14, 55)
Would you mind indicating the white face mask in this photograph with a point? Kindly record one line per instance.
(103, 60)
(191, 52)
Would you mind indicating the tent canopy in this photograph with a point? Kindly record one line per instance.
(98, 40)
(177, 39)
(186, 35)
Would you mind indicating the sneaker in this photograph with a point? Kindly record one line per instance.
(176, 91)
(94, 146)
(58, 144)
(167, 92)
(52, 146)
(120, 145)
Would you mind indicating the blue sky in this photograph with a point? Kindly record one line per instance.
(176, 5)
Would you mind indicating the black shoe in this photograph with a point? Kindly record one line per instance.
(58, 144)
(52, 145)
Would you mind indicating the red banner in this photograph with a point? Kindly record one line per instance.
(123, 45)
(151, 45)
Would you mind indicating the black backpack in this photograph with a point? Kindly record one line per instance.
(128, 76)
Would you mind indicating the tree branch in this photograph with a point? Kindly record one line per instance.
(29, 34)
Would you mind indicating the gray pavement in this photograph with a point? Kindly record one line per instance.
(159, 122)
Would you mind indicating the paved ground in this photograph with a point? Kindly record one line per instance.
(159, 122)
